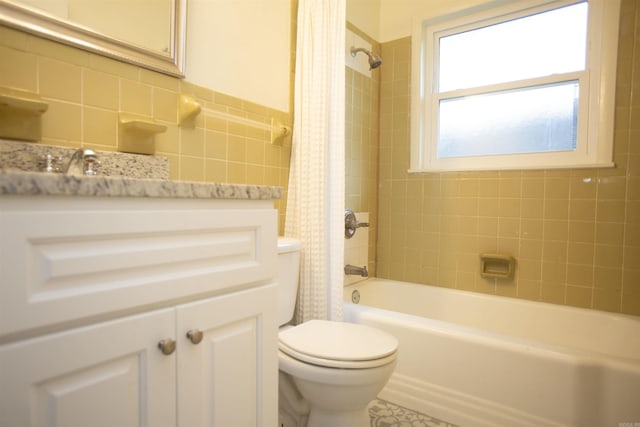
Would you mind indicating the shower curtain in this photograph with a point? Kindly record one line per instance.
(315, 203)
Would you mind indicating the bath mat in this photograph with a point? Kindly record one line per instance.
(386, 414)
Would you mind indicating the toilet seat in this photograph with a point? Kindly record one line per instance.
(338, 344)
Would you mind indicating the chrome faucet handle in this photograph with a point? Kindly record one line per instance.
(90, 166)
(51, 163)
(351, 224)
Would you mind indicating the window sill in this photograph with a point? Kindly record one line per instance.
(607, 165)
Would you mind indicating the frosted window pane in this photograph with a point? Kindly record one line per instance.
(548, 43)
(533, 120)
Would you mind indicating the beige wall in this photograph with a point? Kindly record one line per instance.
(361, 144)
(86, 92)
(575, 233)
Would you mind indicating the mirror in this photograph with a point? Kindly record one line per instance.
(147, 33)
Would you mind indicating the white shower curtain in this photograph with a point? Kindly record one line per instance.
(315, 204)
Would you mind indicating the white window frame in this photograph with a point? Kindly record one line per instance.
(597, 89)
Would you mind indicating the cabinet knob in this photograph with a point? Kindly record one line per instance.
(195, 336)
(167, 346)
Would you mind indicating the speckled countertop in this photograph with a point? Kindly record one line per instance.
(29, 157)
(37, 183)
(119, 176)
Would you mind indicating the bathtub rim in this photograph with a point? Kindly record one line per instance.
(583, 355)
(478, 336)
(515, 300)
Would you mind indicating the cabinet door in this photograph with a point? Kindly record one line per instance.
(230, 377)
(104, 375)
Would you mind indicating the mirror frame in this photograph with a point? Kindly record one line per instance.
(39, 23)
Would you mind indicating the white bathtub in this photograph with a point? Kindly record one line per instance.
(481, 360)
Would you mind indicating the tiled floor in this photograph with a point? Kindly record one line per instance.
(386, 414)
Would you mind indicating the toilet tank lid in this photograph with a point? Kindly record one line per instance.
(288, 244)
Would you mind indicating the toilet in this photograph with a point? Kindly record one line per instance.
(336, 368)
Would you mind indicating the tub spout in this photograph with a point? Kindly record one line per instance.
(352, 269)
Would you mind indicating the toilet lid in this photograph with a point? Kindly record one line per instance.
(338, 344)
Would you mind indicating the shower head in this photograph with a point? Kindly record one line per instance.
(374, 60)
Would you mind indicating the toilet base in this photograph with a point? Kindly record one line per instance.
(336, 397)
(321, 418)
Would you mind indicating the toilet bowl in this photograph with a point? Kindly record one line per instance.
(336, 367)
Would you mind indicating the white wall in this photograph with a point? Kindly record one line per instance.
(240, 48)
(397, 15)
(365, 14)
(57, 8)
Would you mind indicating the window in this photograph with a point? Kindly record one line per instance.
(529, 84)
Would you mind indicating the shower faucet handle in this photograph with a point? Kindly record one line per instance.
(351, 224)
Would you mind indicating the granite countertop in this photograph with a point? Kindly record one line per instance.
(16, 182)
(119, 175)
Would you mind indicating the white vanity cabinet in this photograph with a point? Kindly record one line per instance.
(91, 286)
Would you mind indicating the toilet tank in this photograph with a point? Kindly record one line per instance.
(287, 277)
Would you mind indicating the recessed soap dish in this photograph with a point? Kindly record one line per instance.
(497, 266)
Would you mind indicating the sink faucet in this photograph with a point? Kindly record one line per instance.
(88, 158)
(352, 269)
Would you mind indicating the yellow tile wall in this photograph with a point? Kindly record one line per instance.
(86, 92)
(575, 233)
(361, 144)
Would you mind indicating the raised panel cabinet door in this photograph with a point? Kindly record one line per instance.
(104, 375)
(229, 377)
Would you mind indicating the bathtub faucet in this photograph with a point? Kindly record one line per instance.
(352, 269)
